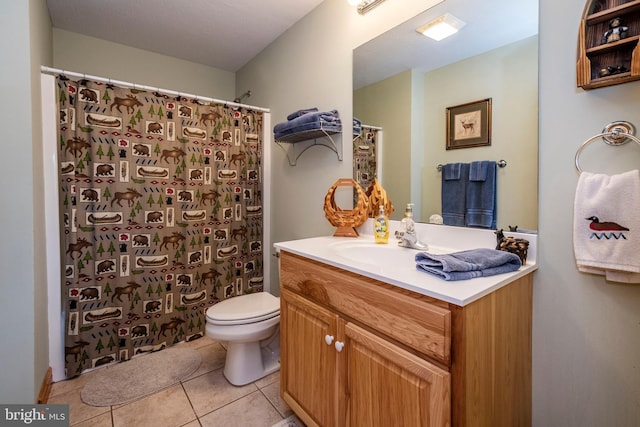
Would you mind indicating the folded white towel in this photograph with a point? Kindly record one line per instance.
(606, 225)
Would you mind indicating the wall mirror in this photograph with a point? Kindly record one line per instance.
(404, 82)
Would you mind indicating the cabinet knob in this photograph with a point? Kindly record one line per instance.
(328, 339)
(339, 346)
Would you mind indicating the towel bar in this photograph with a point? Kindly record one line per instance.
(500, 163)
(615, 133)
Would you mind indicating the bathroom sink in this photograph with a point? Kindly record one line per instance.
(390, 255)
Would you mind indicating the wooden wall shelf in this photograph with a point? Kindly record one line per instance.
(620, 59)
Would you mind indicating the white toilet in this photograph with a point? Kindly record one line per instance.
(250, 325)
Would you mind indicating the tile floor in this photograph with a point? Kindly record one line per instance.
(203, 399)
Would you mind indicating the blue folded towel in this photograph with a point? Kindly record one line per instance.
(357, 127)
(481, 195)
(302, 122)
(335, 126)
(454, 187)
(301, 112)
(468, 264)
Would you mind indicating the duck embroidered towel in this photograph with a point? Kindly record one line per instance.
(606, 225)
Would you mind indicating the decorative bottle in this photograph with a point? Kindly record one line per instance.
(407, 223)
(381, 227)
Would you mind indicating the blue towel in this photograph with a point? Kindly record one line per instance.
(468, 264)
(481, 195)
(478, 170)
(309, 121)
(452, 171)
(454, 187)
(357, 127)
(301, 112)
(318, 124)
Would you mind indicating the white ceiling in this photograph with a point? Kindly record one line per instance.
(489, 24)
(224, 34)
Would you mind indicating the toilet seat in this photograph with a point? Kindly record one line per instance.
(244, 309)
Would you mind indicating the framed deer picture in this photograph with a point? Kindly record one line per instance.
(469, 125)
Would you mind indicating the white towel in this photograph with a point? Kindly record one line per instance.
(606, 225)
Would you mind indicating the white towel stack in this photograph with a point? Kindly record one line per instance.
(606, 225)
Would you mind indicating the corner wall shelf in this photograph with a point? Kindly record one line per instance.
(606, 56)
(297, 143)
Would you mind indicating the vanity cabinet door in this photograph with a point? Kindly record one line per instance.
(308, 368)
(388, 386)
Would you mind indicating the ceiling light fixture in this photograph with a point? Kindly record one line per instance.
(364, 6)
(441, 27)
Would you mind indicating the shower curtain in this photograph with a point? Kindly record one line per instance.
(161, 207)
(365, 155)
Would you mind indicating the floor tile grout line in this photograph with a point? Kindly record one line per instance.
(230, 402)
(190, 403)
(270, 402)
(204, 373)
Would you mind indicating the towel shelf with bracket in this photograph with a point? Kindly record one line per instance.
(297, 143)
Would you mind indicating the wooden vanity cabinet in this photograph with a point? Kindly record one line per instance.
(359, 352)
(311, 370)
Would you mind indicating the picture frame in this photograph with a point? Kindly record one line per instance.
(469, 125)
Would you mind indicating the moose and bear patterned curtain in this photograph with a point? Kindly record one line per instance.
(365, 153)
(162, 217)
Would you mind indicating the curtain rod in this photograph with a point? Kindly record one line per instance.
(50, 70)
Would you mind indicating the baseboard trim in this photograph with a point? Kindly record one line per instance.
(45, 389)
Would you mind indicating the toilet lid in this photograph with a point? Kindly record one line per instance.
(245, 308)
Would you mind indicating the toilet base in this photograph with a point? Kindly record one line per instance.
(247, 362)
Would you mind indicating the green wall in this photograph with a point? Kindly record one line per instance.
(23, 314)
(509, 76)
(412, 109)
(387, 104)
(101, 58)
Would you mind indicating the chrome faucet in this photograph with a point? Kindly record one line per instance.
(408, 238)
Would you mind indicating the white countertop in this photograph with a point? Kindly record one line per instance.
(401, 271)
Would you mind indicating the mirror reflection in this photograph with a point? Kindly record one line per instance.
(404, 83)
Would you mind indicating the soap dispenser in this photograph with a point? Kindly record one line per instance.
(408, 224)
(381, 227)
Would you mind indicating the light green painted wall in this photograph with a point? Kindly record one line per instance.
(418, 146)
(23, 316)
(586, 332)
(41, 54)
(17, 266)
(101, 58)
(509, 76)
(411, 108)
(311, 65)
(371, 104)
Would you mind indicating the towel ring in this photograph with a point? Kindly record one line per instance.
(615, 133)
